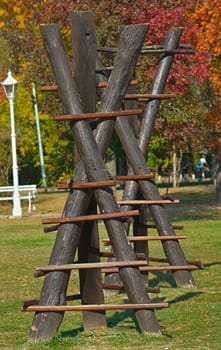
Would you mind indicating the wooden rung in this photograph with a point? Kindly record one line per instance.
(155, 268)
(73, 297)
(156, 238)
(148, 202)
(199, 264)
(168, 197)
(107, 49)
(85, 266)
(104, 216)
(150, 49)
(104, 69)
(94, 307)
(118, 287)
(148, 96)
(86, 185)
(134, 177)
(148, 238)
(111, 114)
(139, 256)
(104, 84)
(154, 47)
(173, 51)
(147, 226)
(30, 302)
(51, 228)
(49, 88)
(99, 85)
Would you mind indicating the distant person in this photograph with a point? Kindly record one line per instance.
(184, 169)
(202, 167)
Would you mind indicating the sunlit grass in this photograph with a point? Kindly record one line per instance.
(191, 322)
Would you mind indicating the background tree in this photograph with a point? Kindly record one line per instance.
(27, 58)
(207, 16)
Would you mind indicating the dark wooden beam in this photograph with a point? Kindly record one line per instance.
(131, 37)
(104, 84)
(101, 115)
(147, 201)
(92, 217)
(148, 238)
(137, 154)
(145, 97)
(59, 308)
(100, 85)
(86, 185)
(156, 268)
(88, 265)
(119, 287)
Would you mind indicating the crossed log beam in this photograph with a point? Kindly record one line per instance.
(91, 168)
(137, 154)
(45, 325)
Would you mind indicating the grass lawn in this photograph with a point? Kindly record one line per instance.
(191, 322)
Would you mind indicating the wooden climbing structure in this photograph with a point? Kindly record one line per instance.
(91, 197)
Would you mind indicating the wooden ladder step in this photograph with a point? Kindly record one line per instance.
(148, 238)
(173, 51)
(99, 85)
(41, 270)
(103, 216)
(197, 263)
(149, 202)
(113, 114)
(155, 268)
(104, 84)
(104, 69)
(118, 287)
(99, 184)
(94, 307)
(145, 97)
(134, 177)
(49, 88)
(153, 226)
(171, 198)
(154, 49)
(51, 228)
(139, 256)
(30, 302)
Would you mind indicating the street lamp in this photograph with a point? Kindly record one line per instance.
(10, 85)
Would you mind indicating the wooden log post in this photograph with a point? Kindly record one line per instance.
(45, 325)
(141, 230)
(134, 153)
(96, 171)
(84, 45)
(114, 279)
(172, 249)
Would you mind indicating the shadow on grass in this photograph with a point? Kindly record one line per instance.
(184, 297)
(162, 277)
(212, 264)
(71, 333)
(122, 316)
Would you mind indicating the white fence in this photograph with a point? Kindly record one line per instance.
(26, 192)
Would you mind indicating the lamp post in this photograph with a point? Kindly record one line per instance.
(10, 85)
(35, 103)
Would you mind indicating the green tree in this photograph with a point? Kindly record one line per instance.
(20, 30)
